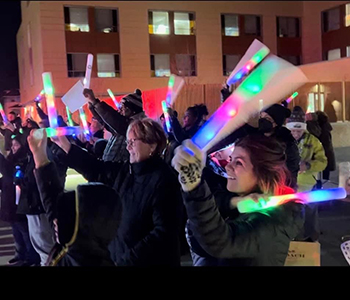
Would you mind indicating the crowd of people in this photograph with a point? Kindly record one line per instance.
(153, 196)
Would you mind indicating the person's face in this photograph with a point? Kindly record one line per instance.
(139, 151)
(265, 115)
(15, 146)
(124, 110)
(11, 117)
(243, 180)
(297, 133)
(95, 126)
(188, 119)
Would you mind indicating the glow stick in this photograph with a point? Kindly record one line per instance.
(171, 83)
(90, 59)
(292, 97)
(116, 103)
(69, 117)
(58, 131)
(3, 115)
(49, 93)
(166, 116)
(249, 205)
(37, 98)
(249, 65)
(269, 81)
(83, 121)
(176, 88)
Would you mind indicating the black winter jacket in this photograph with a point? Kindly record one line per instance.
(8, 207)
(83, 237)
(255, 239)
(149, 231)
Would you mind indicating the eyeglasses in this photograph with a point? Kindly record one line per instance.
(131, 142)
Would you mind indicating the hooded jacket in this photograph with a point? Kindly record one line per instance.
(255, 239)
(88, 219)
(312, 153)
(148, 234)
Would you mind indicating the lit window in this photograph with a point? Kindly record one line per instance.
(160, 65)
(76, 19)
(184, 23)
(30, 52)
(108, 65)
(333, 54)
(311, 102)
(287, 27)
(295, 60)
(76, 63)
(158, 22)
(185, 65)
(229, 63)
(252, 25)
(106, 20)
(348, 51)
(229, 24)
(347, 15)
(331, 20)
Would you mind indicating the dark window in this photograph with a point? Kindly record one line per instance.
(229, 62)
(185, 65)
(252, 25)
(76, 64)
(331, 19)
(295, 60)
(106, 20)
(287, 27)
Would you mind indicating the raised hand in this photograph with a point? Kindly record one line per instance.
(38, 146)
(90, 96)
(189, 162)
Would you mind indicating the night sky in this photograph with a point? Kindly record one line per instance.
(10, 20)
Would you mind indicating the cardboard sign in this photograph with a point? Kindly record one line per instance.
(304, 254)
(74, 98)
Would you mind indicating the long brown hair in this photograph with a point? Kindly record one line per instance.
(268, 158)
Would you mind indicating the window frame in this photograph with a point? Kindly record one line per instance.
(194, 20)
(71, 53)
(298, 26)
(66, 18)
(116, 63)
(158, 10)
(223, 26)
(107, 8)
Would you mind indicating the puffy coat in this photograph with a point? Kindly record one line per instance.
(255, 239)
(149, 231)
(312, 153)
(84, 236)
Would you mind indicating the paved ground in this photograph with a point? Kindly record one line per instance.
(334, 223)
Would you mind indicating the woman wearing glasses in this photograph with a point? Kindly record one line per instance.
(148, 234)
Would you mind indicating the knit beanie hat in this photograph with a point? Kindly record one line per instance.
(297, 119)
(278, 113)
(134, 101)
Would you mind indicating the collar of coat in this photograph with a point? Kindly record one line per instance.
(146, 166)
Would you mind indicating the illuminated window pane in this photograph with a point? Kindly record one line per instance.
(333, 54)
(160, 65)
(160, 22)
(77, 19)
(231, 25)
(106, 65)
(347, 15)
(106, 20)
(182, 23)
(76, 64)
(348, 51)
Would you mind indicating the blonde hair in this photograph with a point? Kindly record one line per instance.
(149, 132)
